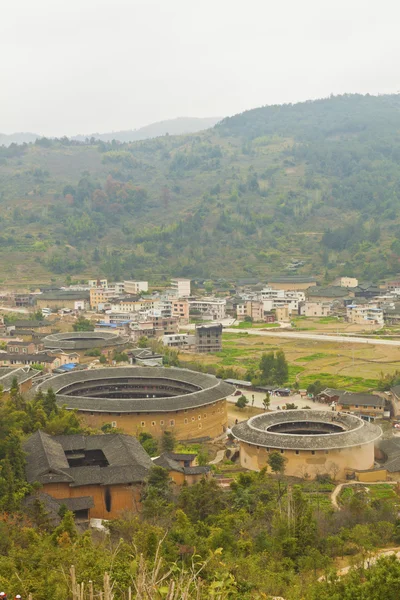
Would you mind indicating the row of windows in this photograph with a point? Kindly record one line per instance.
(162, 423)
(296, 451)
(177, 411)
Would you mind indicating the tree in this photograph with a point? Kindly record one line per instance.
(83, 324)
(281, 371)
(149, 443)
(241, 402)
(267, 401)
(167, 441)
(276, 462)
(267, 364)
(50, 402)
(315, 388)
(143, 342)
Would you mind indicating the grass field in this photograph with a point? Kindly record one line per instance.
(356, 367)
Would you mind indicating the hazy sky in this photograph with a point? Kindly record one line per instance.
(82, 66)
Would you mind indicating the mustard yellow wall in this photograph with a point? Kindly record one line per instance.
(123, 497)
(368, 476)
(210, 420)
(334, 462)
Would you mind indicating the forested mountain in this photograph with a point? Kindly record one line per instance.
(317, 181)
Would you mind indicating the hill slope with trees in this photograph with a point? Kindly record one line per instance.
(315, 181)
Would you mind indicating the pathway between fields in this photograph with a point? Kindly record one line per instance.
(339, 487)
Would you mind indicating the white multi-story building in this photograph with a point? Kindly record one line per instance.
(135, 287)
(271, 294)
(213, 307)
(273, 304)
(179, 340)
(181, 287)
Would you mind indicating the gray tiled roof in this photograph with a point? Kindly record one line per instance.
(80, 340)
(47, 461)
(210, 390)
(170, 464)
(351, 399)
(391, 448)
(22, 374)
(356, 432)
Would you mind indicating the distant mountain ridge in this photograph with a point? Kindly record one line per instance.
(178, 126)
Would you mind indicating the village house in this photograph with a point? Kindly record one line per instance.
(315, 309)
(23, 375)
(181, 468)
(329, 293)
(22, 347)
(252, 308)
(365, 314)
(367, 406)
(110, 470)
(47, 361)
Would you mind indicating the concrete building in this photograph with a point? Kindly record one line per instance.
(180, 310)
(181, 287)
(364, 314)
(98, 283)
(251, 308)
(315, 309)
(214, 308)
(347, 282)
(100, 296)
(152, 399)
(208, 338)
(312, 442)
(136, 287)
(179, 340)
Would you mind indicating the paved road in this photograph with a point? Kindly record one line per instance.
(317, 337)
(278, 401)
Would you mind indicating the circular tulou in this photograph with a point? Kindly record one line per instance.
(152, 399)
(313, 442)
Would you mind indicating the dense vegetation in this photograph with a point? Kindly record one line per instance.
(317, 181)
(265, 535)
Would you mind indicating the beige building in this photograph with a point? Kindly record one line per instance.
(136, 287)
(251, 308)
(347, 282)
(365, 314)
(282, 314)
(312, 442)
(316, 309)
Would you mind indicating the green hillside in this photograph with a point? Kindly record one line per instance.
(316, 181)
